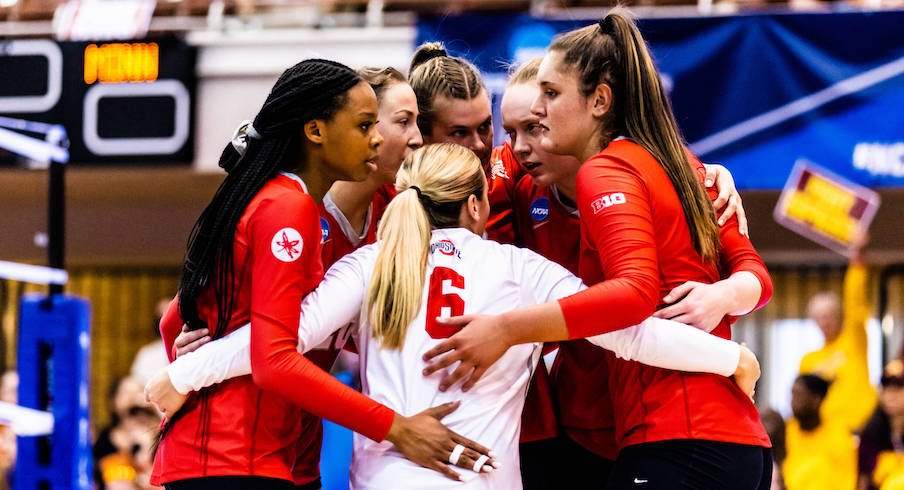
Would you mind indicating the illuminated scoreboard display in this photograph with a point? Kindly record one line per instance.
(120, 102)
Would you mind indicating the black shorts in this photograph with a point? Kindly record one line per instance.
(560, 463)
(231, 483)
(692, 464)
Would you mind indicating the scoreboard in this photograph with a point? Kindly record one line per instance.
(120, 102)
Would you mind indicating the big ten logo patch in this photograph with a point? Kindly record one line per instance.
(606, 201)
(539, 209)
(324, 230)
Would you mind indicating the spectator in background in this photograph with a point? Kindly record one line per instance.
(821, 452)
(125, 394)
(151, 358)
(775, 428)
(129, 467)
(842, 361)
(881, 454)
(9, 387)
(9, 393)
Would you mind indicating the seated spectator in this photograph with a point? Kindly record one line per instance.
(9, 392)
(9, 387)
(881, 454)
(842, 361)
(129, 468)
(821, 452)
(125, 394)
(775, 428)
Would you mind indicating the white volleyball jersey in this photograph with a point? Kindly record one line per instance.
(465, 275)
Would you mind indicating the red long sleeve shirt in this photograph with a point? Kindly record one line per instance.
(335, 245)
(381, 199)
(636, 247)
(547, 226)
(503, 175)
(251, 426)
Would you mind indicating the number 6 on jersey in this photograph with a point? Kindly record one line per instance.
(442, 303)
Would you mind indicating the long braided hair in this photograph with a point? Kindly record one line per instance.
(312, 89)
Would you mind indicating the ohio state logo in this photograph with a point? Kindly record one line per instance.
(498, 170)
(286, 245)
(445, 247)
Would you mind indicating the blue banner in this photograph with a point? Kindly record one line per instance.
(754, 92)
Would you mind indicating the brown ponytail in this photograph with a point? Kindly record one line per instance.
(614, 52)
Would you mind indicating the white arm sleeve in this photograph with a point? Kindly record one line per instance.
(334, 304)
(672, 345)
(213, 362)
(654, 342)
(337, 301)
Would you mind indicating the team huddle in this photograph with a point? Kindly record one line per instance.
(370, 212)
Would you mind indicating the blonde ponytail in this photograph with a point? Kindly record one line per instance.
(433, 183)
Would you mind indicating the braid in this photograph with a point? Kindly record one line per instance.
(436, 74)
(312, 89)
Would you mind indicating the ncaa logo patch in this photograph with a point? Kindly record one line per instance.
(324, 230)
(286, 245)
(539, 209)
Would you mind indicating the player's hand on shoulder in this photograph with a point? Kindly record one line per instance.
(728, 203)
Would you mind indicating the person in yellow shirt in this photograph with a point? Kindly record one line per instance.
(821, 452)
(881, 452)
(843, 359)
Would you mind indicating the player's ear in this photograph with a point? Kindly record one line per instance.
(473, 206)
(313, 130)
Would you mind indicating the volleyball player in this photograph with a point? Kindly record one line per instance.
(254, 250)
(647, 223)
(547, 222)
(455, 108)
(393, 291)
(348, 219)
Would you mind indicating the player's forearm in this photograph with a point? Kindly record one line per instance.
(213, 362)
(539, 323)
(672, 345)
(743, 292)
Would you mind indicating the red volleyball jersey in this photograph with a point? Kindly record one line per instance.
(503, 175)
(245, 429)
(635, 248)
(339, 239)
(579, 374)
(538, 418)
(381, 199)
